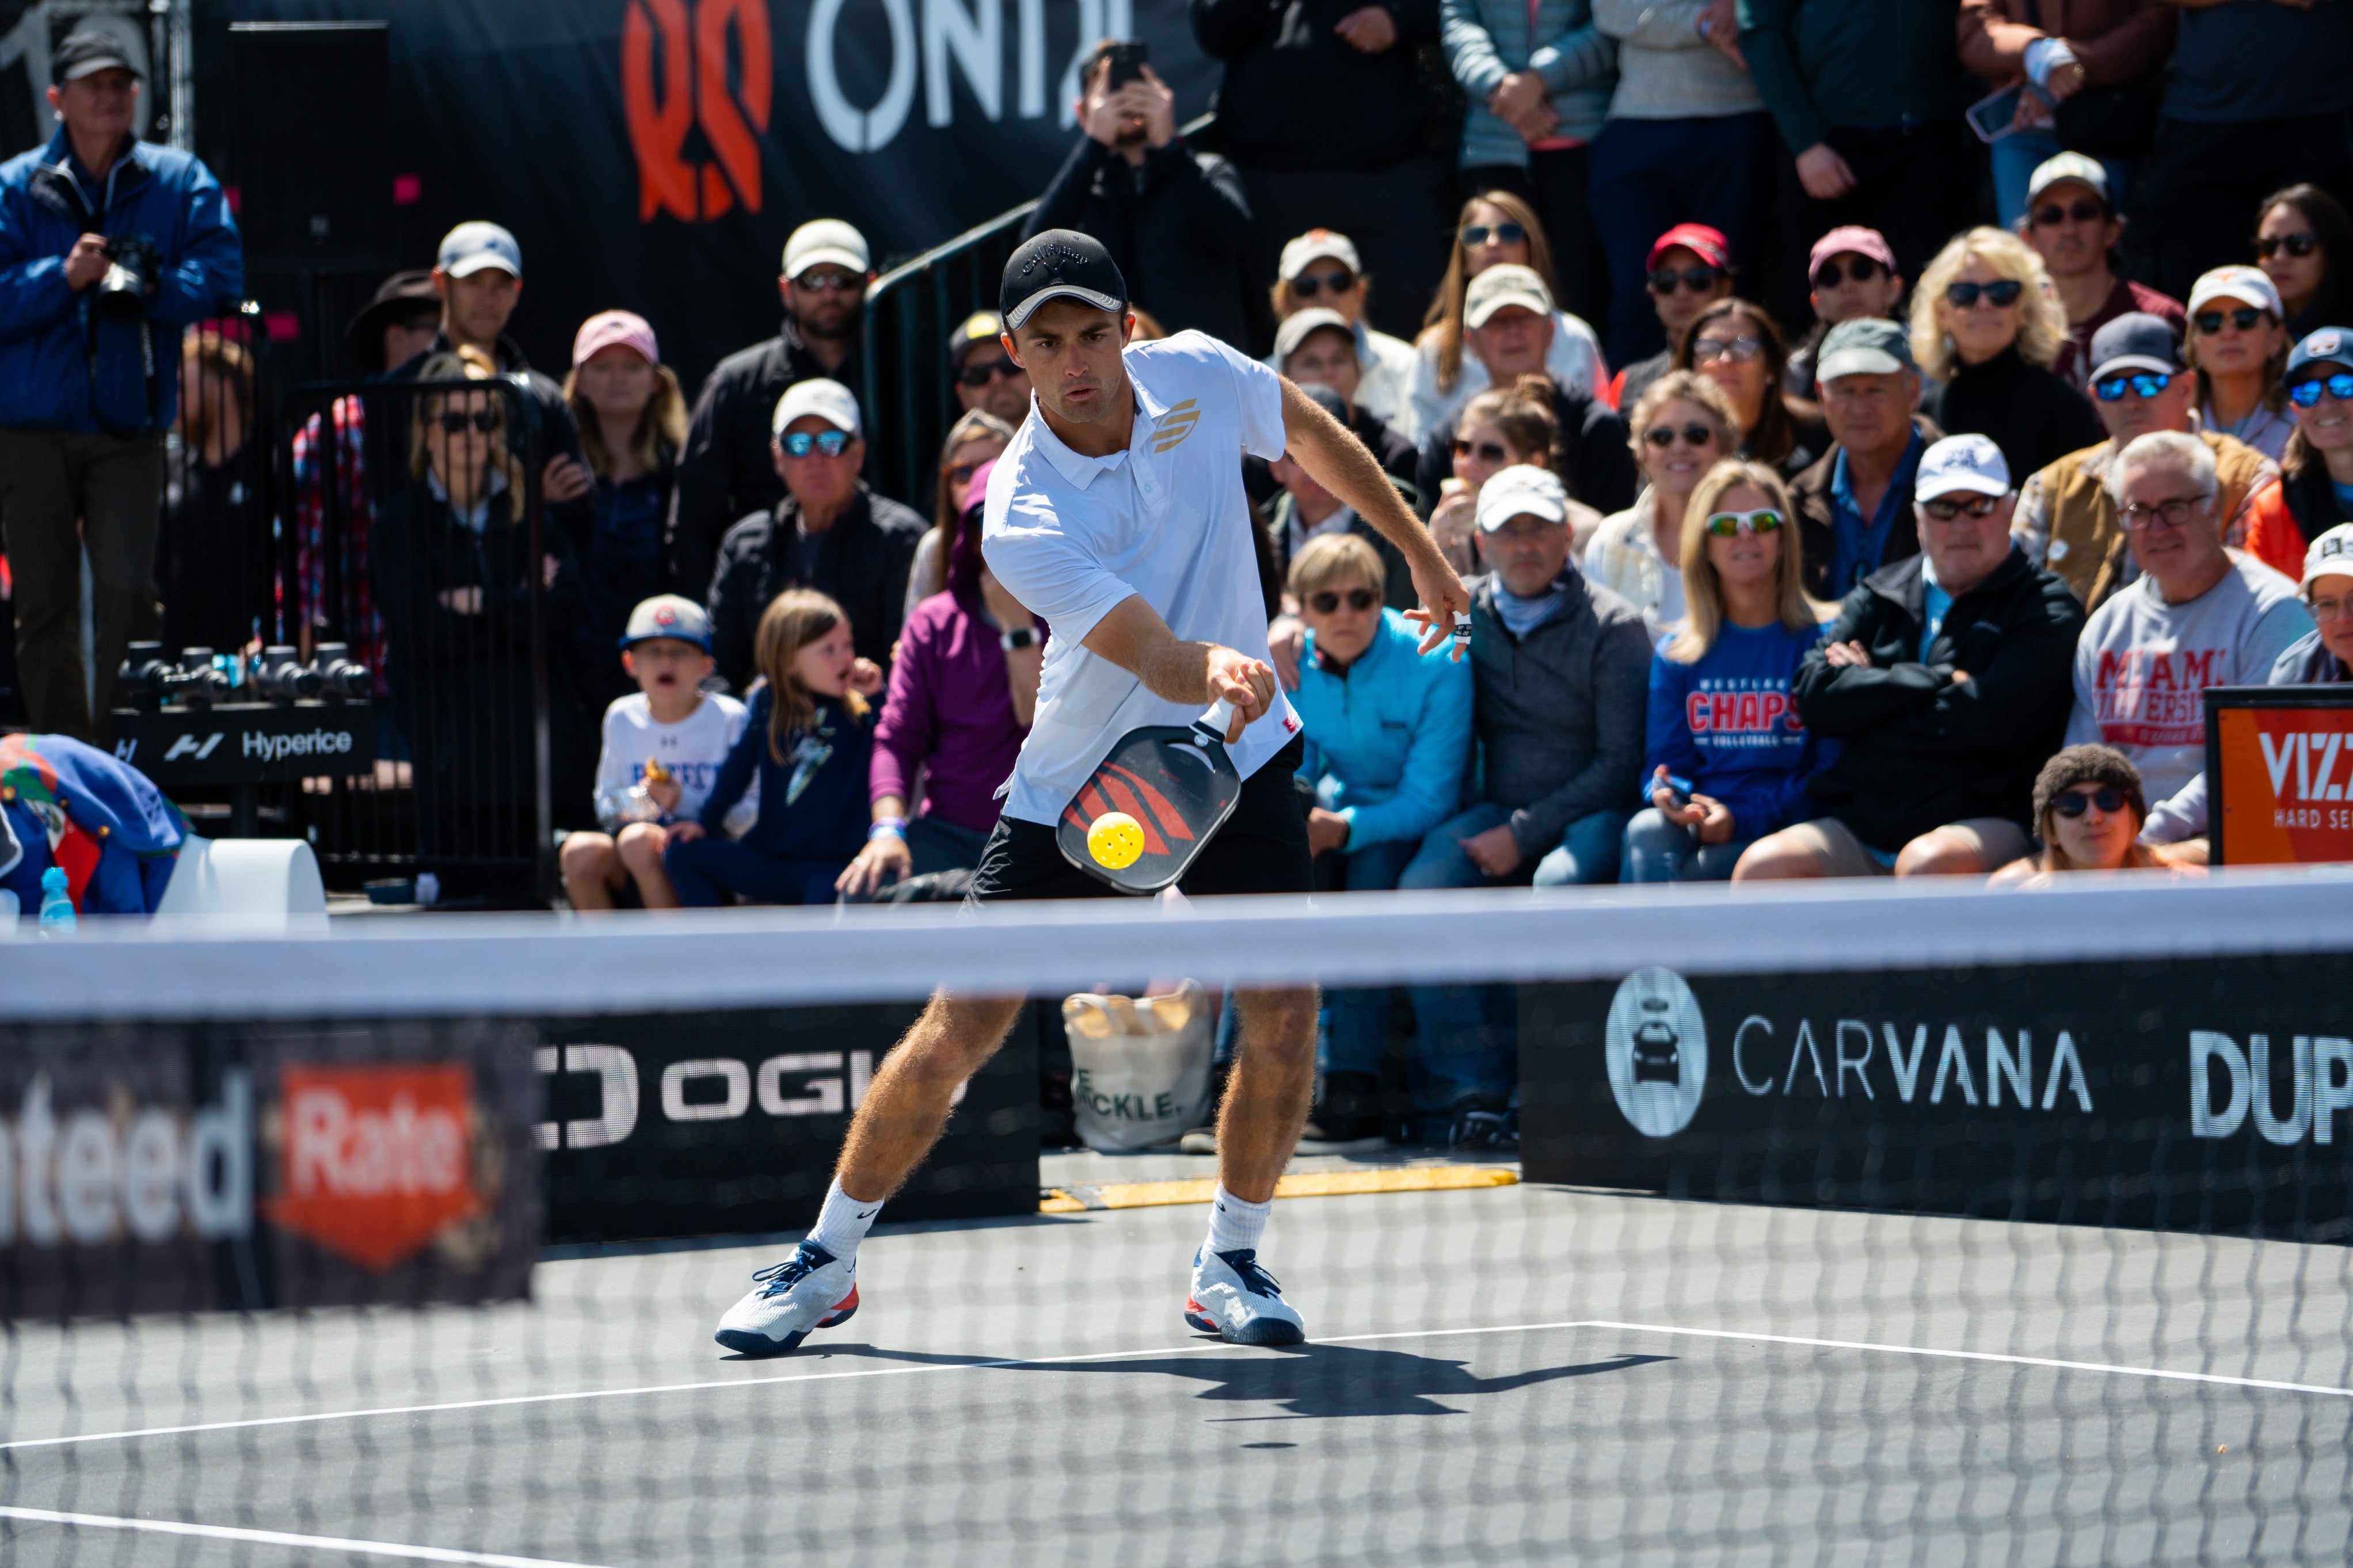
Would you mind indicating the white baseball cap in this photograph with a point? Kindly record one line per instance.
(1296, 328)
(1522, 491)
(828, 400)
(2331, 555)
(2247, 285)
(2064, 167)
(1967, 464)
(669, 615)
(1509, 284)
(1318, 243)
(822, 240)
(472, 247)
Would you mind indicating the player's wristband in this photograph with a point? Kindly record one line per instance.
(1462, 628)
(888, 826)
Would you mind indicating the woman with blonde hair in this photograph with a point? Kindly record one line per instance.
(1726, 759)
(1496, 227)
(213, 550)
(1986, 326)
(632, 420)
(1683, 428)
(974, 441)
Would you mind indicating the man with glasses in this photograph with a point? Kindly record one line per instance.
(2199, 614)
(726, 471)
(1854, 504)
(1508, 325)
(2067, 517)
(1853, 274)
(2072, 224)
(1175, 219)
(985, 376)
(829, 532)
(1944, 682)
(1690, 269)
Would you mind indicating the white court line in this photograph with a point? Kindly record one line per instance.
(1929, 1351)
(280, 1538)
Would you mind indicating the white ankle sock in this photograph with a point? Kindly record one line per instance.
(843, 1223)
(1233, 1224)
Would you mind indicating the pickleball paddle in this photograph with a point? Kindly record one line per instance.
(1178, 785)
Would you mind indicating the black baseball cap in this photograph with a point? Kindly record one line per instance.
(1060, 264)
(87, 51)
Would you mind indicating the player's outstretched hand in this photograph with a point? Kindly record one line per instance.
(1444, 599)
(1247, 683)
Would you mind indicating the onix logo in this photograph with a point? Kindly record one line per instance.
(1656, 1052)
(675, 78)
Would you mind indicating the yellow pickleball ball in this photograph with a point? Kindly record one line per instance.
(1115, 840)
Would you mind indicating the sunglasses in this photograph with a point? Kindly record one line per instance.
(1486, 451)
(1359, 600)
(1663, 435)
(817, 281)
(1764, 520)
(1698, 279)
(2083, 211)
(2244, 317)
(2306, 393)
(482, 419)
(1739, 351)
(1476, 235)
(2139, 382)
(978, 376)
(2303, 243)
(1307, 285)
(2003, 292)
(1862, 269)
(2108, 797)
(960, 474)
(831, 442)
(1944, 509)
(2175, 511)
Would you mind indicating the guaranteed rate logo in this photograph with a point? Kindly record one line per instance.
(378, 1160)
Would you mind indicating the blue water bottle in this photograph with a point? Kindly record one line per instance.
(56, 908)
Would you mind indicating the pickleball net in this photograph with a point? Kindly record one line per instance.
(2021, 1241)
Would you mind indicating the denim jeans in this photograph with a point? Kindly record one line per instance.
(2016, 157)
(1467, 1037)
(1658, 851)
(1355, 1023)
(1651, 175)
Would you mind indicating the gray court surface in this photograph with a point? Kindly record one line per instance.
(1514, 1375)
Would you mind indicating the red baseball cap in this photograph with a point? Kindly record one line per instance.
(1852, 239)
(1708, 244)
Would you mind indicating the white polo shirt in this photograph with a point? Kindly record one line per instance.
(1073, 536)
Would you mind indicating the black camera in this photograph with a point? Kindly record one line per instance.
(284, 678)
(121, 295)
(340, 681)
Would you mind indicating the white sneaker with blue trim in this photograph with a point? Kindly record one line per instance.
(811, 1290)
(1240, 1302)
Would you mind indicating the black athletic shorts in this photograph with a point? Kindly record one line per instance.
(1263, 848)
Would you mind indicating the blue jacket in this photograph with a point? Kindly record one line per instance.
(46, 203)
(1388, 739)
(812, 805)
(1726, 726)
(1486, 41)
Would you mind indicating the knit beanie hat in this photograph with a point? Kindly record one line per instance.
(2092, 765)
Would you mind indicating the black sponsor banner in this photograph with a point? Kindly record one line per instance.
(246, 744)
(716, 1123)
(2179, 1094)
(181, 1167)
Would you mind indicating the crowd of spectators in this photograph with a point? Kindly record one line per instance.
(1818, 527)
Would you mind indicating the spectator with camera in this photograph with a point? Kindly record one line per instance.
(110, 246)
(726, 471)
(2097, 70)
(2067, 517)
(830, 532)
(1854, 505)
(1853, 275)
(1945, 681)
(987, 379)
(1176, 220)
(2071, 221)
(1321, 272)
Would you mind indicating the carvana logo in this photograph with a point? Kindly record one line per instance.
(1657, 1052)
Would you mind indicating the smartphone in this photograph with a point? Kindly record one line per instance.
(1678, 791)
(1992, 116)
(1127, 63)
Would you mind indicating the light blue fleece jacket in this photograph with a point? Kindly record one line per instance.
(1486, 41)
(1388, 739)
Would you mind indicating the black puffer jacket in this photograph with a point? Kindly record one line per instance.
(1917, 747)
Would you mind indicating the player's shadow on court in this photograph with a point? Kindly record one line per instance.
(1319, 1382)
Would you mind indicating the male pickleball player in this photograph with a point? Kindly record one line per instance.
(1118, 514)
